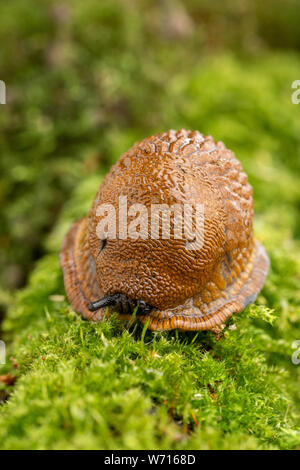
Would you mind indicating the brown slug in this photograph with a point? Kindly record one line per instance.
(169, 282)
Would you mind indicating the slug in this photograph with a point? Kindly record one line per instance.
(169, 236)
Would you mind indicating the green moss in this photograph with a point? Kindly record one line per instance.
(84, 385)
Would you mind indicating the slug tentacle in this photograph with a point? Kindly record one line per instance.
(122, 304)
(105, 302)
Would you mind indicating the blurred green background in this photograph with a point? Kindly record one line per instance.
(85, 79)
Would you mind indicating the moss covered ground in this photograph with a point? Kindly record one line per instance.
(85, 386)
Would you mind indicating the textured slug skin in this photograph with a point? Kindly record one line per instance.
(189, 289)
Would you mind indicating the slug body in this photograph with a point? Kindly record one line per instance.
(168, 284)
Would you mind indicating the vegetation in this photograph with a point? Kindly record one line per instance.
(84, 82)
